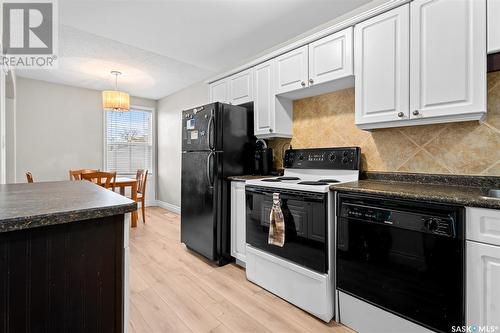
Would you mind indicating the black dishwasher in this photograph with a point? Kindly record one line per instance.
(406, 257)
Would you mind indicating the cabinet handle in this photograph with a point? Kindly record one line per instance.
(311, 81)
(303, 84)
(416, 113)
(401, 114)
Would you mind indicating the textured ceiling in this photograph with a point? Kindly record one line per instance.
(163, 46)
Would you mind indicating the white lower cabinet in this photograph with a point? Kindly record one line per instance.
(238, 218)
(483, 284)
(483, 267)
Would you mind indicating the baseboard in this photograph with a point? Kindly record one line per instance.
(168, 206)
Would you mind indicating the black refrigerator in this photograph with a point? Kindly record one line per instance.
(217, 142)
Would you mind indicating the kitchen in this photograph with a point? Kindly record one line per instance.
(339, 175)
(402, 91)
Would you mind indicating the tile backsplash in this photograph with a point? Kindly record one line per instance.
(454, 148)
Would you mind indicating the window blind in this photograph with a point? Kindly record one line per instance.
(129, 143)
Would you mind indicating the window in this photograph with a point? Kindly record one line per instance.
(129, 141)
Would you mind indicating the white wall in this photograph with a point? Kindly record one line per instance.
(170, 139)
(58, 128)
(10, 122)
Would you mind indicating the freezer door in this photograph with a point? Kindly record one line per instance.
(199, 202)
(199, 128)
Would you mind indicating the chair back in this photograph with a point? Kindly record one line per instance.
(141, 177)
(29, 177)
(77, 174)
(101, 178)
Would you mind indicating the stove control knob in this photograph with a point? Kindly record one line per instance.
(345, 160)
(301, 157)
(345, 154)
(332, 157)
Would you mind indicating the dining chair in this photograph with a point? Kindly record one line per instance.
(141, 177)
(29, 177)
(101, 178)
(77, 174)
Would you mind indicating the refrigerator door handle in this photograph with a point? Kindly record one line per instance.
(209, 169)
(209, 130)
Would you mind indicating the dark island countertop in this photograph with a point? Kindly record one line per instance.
(24, 206)
(461, 195)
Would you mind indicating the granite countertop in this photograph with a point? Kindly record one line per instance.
(455, 194)
(24, 206)
(247, 177)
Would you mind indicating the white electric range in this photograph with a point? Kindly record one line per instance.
(303, 270)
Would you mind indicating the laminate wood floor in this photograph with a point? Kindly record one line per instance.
(174, 290)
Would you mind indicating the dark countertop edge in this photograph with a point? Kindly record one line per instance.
(433, 179)
(27, 222)
(472, 201)
(244, 178)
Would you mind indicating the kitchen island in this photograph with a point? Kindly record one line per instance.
(63, 257)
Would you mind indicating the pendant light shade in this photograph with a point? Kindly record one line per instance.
(115, 100)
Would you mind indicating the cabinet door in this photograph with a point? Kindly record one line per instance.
(263, 76)
(493, 26)
(291, 70)
(238, 220)
(240, 88)
(382, 65)
(330, 58)
(219, 91)
(483, 284)
(448, 57)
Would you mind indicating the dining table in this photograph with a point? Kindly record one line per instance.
(122, 183)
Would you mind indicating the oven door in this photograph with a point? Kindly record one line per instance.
(306, 225)
(414, 274)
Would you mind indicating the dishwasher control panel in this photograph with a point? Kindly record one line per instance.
(421, 221)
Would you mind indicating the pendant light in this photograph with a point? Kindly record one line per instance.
(115, 100)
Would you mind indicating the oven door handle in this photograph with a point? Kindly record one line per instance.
(288, 196)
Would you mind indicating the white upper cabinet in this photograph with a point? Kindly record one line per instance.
(330, 58)
(382, 70)
(219, 91)
(264, 98)
(448, 58)
(433, 56)
(493, 26)
(240, 88)
(236, 89)
(319, 64)
(291, 70)
(272, 114)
